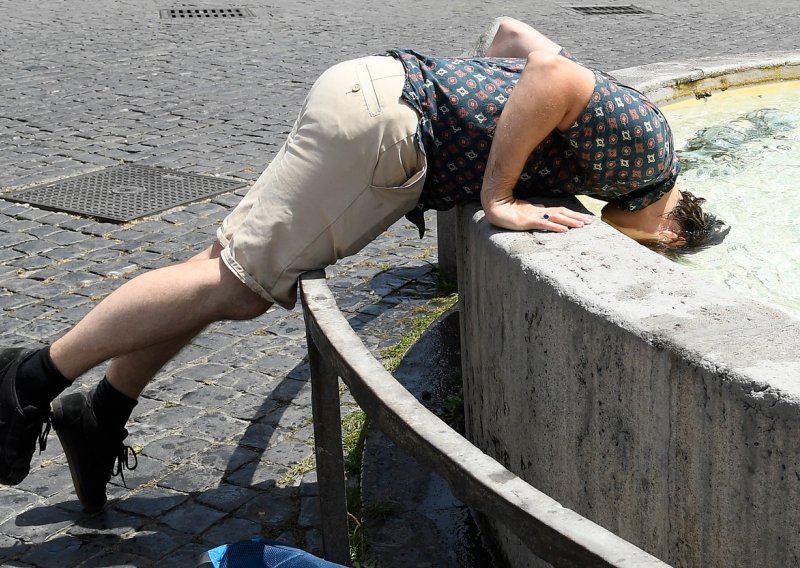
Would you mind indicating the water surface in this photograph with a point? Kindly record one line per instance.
(740, 149)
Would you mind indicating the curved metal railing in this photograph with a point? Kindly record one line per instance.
(554, 533)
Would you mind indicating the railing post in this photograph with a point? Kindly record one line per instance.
(325, 404)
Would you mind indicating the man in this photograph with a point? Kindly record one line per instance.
(376, 138)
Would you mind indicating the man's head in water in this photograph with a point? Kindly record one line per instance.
(675, 224)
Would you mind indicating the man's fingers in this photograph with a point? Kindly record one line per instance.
(565, 218)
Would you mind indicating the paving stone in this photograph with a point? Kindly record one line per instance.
(151, 502)
(290, 417)
(115, 558)
(260, 475)
(173, 389)
(287, 390)
(11, 548)
(151, 542)
(257, 436)
(13, 500)
(231, 529)
(191, 518)
(37, 524)
(31, 262)
(309, 486)
(250, 381)
(250, 407)
(47, 481)
(191, 478)
(287, 452)
(226, 497)
(146, 471)
(217, 426)
(203, 371)
(271, 510)
(64, 550)
(227, 457)
(211, 397)
(11, 301)
(31, 311)
(174, 449)
(186, 556)
(312, 542)
(309, 512)
(165, 417)
(113, 523)
(33, 247)
(145, 406)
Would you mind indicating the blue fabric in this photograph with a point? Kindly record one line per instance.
(259, 553)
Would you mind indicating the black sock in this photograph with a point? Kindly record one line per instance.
(38, 380)
(111, 407)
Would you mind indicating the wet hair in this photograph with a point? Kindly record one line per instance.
(698, 229)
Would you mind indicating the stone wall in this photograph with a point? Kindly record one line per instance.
(658, 405)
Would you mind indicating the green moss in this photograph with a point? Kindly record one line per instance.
(300, 468)
(354, 430)
(425, 316)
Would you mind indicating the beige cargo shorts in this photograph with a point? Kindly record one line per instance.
(350, 167)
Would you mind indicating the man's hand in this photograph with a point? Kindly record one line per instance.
(520, 215)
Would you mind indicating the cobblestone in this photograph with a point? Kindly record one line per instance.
(229, 417)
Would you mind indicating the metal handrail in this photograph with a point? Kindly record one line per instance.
(556, 534)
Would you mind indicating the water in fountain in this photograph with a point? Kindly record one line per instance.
(740, 150)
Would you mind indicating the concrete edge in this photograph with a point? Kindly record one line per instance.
(667, 82)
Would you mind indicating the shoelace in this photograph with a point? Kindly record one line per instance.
(123, 461)
(46, 427)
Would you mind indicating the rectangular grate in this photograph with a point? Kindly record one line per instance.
(193, 13)
(123, 193)
(610, 10)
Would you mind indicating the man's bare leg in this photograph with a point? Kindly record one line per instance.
(140, 327)
(162, 309)
(518, 39)
(130, 373)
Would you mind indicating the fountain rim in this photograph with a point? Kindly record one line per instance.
(668, 82)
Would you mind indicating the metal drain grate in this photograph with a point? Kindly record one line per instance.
(610, 10)
(123, 193)
(188, 13)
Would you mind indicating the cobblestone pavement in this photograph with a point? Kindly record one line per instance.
(90, 84)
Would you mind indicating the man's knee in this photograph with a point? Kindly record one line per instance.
(510, 30)
(238, 301)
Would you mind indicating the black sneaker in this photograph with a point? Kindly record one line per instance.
(20, 428)
(94, 453)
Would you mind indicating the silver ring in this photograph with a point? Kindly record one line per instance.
(545, 216)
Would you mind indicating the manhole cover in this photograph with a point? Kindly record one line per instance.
(123, 193)
(609, 10)
(187, 13)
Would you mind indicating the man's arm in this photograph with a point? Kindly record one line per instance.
(551, 93)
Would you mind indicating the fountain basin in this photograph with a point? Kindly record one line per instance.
(662, 406)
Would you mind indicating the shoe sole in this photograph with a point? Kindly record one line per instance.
(66, 442)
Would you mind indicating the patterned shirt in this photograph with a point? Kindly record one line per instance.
(619, 149)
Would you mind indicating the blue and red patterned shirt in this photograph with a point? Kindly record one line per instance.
(619, 149)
